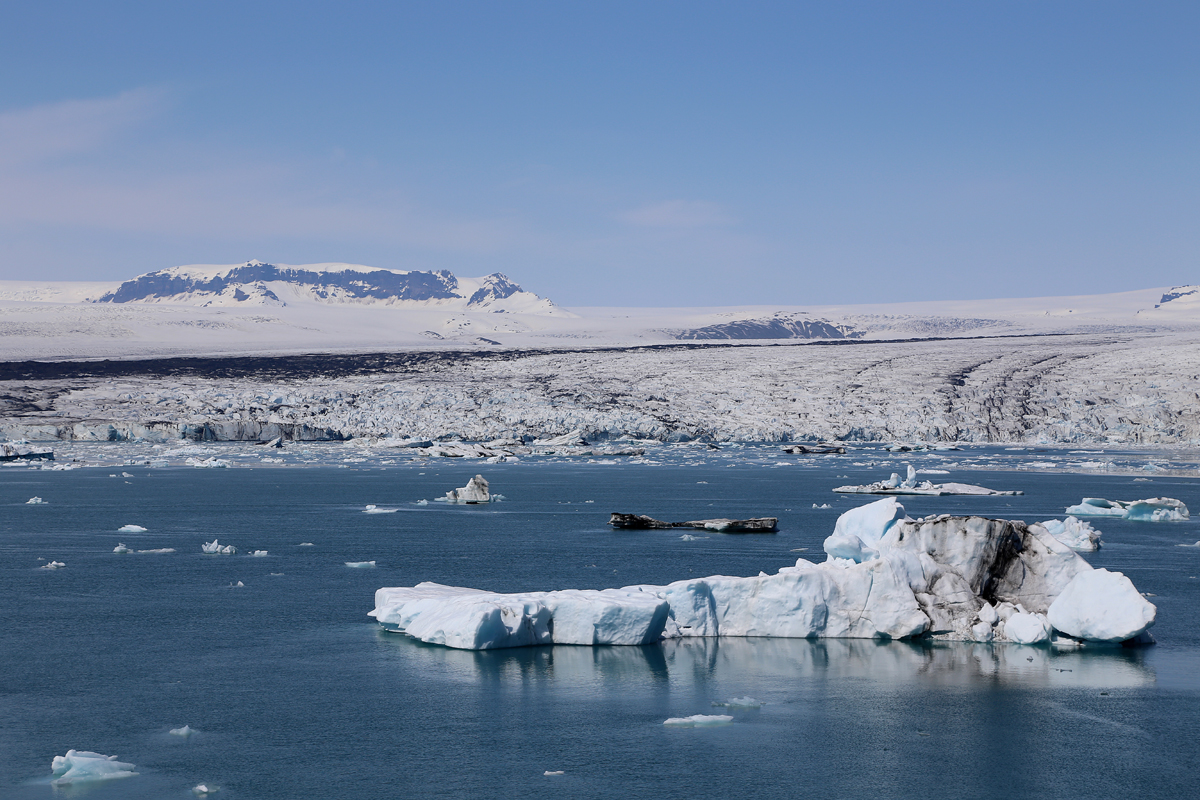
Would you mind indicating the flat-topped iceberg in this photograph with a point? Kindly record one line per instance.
(82, 766)
(886, 576)
(1155, 509)
(911, 485)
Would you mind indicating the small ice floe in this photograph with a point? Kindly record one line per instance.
(35, 501)
(238, 585)
(204, 789)
(554, 772)
(131, 529)
(699, 720)
(740, 702)
(374, 509)
(185, 731)
(258, 553)
(214, 548)
(121, 548)
(1197, 544)
(687, 537)
(1155, 509)
(823, 505)
(1075, 533)
(422, 502)
(476, 491)
(306, 544)
(159, 550)
(126, 475)
(361, 564)
(212, 462)
(53, 565)
(910, 485)
(83, 766)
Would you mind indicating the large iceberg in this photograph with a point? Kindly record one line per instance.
(886, 576)
(80, 766)
(476, 491)
(1155, 509)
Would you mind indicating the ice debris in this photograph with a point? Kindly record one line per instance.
(910, 485)
(476, 491)
(885, 576)
(1075, 533)
(360, 564)
(1155, 509)
(53, 565)
(202, 789)
(258, 553)
(699, 720)
(214, 548)
(82, 766)
(185, 731)
(207, 463)
(35, 501)
(131, 529)
(374, 509)
(121, 548)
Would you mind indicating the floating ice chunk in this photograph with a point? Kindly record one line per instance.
(185, 731)
(374, 509)
(121, 548)
(687, 537)
(202, 789)
(554, 772)
(1155, 509)
(131, 529)
(306, 544)
(1026, 628)
(360, 564)
(823, 505)
(82, 766)
(207, 463)
(214, 548)
(1197, 544)
(238, 585)
(859, 529)
(422, 502)
(476, 491)
(158, 463)
(159, 550)
(1098, 605)
(53, 565)
(35, 501)
(258, 553)
(1075, 533)
(699, 720)
(740, 702)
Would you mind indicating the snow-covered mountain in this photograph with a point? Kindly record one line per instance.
(256, 283)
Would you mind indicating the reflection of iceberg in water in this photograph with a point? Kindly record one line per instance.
(699, 661)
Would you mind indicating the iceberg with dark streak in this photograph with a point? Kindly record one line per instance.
(886, 576)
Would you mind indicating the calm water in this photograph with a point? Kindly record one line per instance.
(296, 694)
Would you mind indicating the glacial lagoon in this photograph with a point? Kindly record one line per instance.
(293, 692)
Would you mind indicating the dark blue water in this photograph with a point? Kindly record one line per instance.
(296, 694)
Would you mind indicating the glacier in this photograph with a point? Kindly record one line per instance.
(886, 576)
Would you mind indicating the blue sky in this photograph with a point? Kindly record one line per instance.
(662, 153)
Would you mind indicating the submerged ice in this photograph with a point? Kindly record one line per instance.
(885, 576)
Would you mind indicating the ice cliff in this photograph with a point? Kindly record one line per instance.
(886, 576)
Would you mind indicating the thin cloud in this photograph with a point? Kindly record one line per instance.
(678, 214)
(32, 136)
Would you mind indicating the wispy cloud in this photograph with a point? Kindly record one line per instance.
(32, 136)
(678, 214)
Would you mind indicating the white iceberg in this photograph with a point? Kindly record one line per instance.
(1025, 628)
(1101, 606)
(53, 565)
(214, 548)
(476, 491)
(121, 548)
(911, 485)
(1155, 509)
(159, 550)
(374, 509)
(258, 553)
(201, 789)
(740, 702)
(35, 501)
(185, 731)
(886, 576)
(82, 766)
(207, 463)
(360, 564)
(699, 720)
(131, 529)
(1075, 533)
